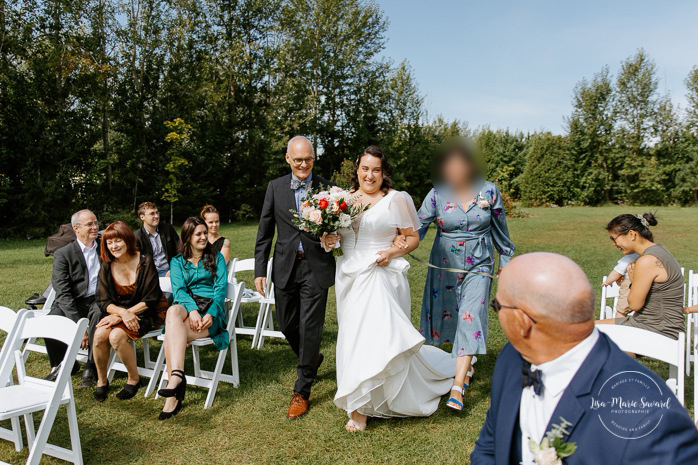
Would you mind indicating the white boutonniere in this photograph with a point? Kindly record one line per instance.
(553, 447)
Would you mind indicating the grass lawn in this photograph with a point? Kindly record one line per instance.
(248, 424)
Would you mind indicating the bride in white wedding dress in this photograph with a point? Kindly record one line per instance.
(383, 367)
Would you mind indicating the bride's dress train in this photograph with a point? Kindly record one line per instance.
(383, 367)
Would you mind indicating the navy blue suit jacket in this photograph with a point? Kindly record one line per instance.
(675, 440)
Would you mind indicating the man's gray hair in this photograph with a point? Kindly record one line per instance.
(75, 219)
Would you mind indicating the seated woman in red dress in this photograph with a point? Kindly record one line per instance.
(131, 302)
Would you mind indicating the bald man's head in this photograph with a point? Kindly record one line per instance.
(550, 286)
(299, 144)
(300, 157)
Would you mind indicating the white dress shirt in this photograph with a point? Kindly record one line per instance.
(535, 411)
(92, 261)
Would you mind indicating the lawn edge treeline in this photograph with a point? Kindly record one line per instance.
(107, 103)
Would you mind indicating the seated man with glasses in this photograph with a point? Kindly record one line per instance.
(75, 272)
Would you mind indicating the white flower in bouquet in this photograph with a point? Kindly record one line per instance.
(483, 203)
(315, 216)
(344, 220)
(336, 190)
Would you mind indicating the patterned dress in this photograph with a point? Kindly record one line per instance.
(455, 305)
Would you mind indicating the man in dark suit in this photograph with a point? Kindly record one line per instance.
(160, 241)
(558, 369)
(302, 270)
(75, 279)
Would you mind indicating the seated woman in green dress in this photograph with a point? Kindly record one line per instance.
(199, 286)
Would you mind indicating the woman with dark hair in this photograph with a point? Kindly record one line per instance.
(383, 367)
(656, 282)
(199, 286)
(130, 299)
(470, 225)
(213, 222)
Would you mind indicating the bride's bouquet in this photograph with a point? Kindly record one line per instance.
(325, 212)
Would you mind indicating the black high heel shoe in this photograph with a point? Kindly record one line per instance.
(167, 415)
(177, 390)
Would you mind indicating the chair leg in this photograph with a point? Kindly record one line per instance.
(37, 448)
(112, 360)
(16, 430)
(265, 325)
(74, 432)
(215, 378)
(197, 361)
(258, 325)
(157, 368)
(29, 426)
(147, 362)
(234, 362)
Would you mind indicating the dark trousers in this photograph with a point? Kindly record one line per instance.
(88, 309)
(300, 309)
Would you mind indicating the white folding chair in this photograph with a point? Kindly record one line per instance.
(607, 293)
(238, 266)
(265, 318)
(31, 345)
(9, 323)
(689, 291)
(203, 378)
(653, 345)
(264, 326)
(32, 395)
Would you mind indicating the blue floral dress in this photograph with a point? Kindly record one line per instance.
(455, 305)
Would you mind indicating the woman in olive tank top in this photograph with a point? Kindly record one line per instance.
(656, 290)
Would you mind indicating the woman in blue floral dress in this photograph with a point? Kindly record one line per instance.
(470, 225)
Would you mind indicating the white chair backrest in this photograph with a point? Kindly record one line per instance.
(608, 292)
(49, 300)
(166, 284)
(8, 318)
(235, 291)
(9, 323)
(246, 264)
(55, 327)
(647, 343)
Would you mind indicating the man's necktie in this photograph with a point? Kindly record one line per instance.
(297, 184)
(531, 378)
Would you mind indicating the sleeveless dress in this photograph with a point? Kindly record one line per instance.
(383, 367)
(663, 309)
(218, 245)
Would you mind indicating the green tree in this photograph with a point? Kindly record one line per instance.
(590, 131)
(178, 139)
(547, 177)
(636, 107)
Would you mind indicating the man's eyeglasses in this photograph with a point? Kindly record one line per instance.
(90, 224)
(497, 307)
(299, 161)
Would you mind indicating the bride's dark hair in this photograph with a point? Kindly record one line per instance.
(387, 169)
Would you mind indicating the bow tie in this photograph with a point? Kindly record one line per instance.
(297, 184)
(531, 378)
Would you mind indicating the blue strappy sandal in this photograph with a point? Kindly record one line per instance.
(452, 402)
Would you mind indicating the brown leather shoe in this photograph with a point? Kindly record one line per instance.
(299, 407)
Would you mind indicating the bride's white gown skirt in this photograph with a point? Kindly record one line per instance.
(383, 367)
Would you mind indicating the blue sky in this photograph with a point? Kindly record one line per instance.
(515, 63)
